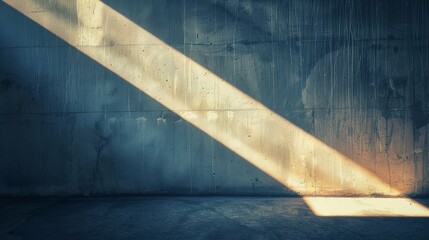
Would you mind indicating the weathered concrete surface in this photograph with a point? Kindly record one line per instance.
(15, 211)
(352, 74)
(196, 218)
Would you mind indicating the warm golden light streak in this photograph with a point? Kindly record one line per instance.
(365, 207)
(290, 155)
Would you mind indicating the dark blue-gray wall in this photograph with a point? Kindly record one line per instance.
(355, 74)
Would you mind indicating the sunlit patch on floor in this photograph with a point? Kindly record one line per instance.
(366, 207)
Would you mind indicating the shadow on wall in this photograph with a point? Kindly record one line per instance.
(56, 138)
(290, 155)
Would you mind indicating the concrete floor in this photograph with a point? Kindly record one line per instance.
(191, 218)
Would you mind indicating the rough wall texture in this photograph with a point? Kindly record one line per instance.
(354, 74)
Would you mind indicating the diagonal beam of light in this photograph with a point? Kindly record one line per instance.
(287, 153)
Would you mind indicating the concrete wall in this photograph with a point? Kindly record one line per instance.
(353, 74)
